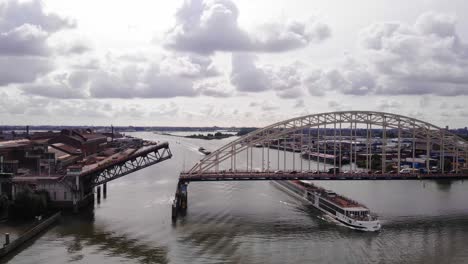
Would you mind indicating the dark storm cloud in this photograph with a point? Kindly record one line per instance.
(209, 26)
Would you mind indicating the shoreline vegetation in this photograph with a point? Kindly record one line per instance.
(211, 136)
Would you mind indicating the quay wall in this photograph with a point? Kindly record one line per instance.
(28, 235)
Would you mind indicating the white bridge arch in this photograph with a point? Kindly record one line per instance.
(335, 126)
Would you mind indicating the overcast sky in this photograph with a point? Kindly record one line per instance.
(230, 63)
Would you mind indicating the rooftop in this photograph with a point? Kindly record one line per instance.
(14, 143)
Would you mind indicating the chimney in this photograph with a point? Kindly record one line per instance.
(112, 129)
(27, 130)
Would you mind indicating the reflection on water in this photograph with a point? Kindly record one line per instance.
(83, 232)
(444, 185)
(254, 222)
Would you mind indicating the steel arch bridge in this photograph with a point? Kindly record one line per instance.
(372, 145)
(369, 145)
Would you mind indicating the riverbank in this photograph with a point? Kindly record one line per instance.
(209, 136)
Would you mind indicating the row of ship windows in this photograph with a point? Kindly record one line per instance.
(327, 209)
(331, 206)
(347, 213)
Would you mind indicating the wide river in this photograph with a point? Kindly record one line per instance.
(254, 222)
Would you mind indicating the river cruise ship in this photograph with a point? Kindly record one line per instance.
(340, 209)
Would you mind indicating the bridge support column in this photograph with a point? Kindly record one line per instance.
(181, 196)
(7, 239)
(104, 190)
(180, 202)
(75, 203)
(174, 210)
(98, 194)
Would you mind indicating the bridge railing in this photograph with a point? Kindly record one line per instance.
(291, 175)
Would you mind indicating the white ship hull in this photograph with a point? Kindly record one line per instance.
(313, 199)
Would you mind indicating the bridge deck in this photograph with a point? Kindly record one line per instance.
(122, 157)
(263, 176)
(121, 164)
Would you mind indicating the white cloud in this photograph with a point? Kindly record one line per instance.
(25, 28)
(17, 13)
(442, 25)
(138, 82)
(247, 76)
(268, 106)
(170, 110)
(299, 103)
(70, 43)
(172, 76)
(111, 71)
(64, 85)
(386, 105)
(425, 58)
(214, 89)
(24, 32)
(212, 25)
(191, 66)
(26, 69)
(26, 39)
(169, 76)
(349, 77)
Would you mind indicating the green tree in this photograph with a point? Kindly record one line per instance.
(245, 130)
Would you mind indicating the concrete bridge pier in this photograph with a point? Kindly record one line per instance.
(183, 196)
(179, 205)
(75, 203)
(104, 190)
(98, 194)
(7, 239)
(174, 210)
